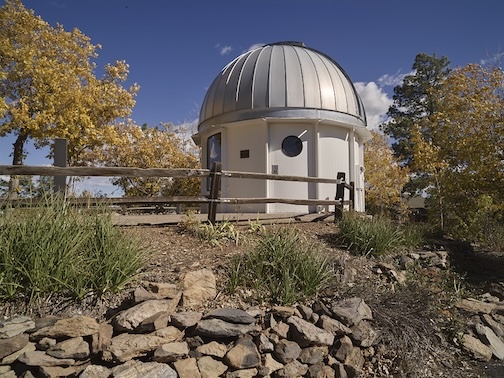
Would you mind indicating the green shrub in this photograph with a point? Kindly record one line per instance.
(374, 236)
(56, 247)
(282, 268)
(214, 234)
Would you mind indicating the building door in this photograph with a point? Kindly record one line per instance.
(290, 154)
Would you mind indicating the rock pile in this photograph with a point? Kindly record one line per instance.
(158, 337)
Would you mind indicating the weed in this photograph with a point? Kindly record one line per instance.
(282, 268)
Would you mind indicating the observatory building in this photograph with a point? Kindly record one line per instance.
(284, 109)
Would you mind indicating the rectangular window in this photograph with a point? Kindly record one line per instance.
(213, 152)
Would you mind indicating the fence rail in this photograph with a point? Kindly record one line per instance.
(216, 173)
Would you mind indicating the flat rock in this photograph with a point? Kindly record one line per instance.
(131, 318)
(126, 346)
(363, 334)
(199, 287)
(15, 326)
(154, 322)
(95, 371)
(9, 359)
(220, 328)
(287, 351)
(164, 290)
(352, 311)
(292, 369)
(334, 326)
(185, 319)
(213, 348)
(210, 368)
(475, 306)
(488, 337)
(243, 355)
(231, 315)
(67, 328)
(313, 355)
(136, 368)
(60, 371)
(75, 348)
(101, 340)
(243, 373)
(476, 348)
(187, 368)
(270, 365)
(171, 352)
(12, 344)
(39, 358)
(306, 333)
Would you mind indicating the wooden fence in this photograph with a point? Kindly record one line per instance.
(214, 198)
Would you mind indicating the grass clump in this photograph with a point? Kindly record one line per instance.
(282, 268)
(375, 236)
(214, 234)
(57, 247)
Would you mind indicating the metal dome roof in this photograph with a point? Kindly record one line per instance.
(284, 79)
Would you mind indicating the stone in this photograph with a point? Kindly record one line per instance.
(171, 352)
(281, 329)
(270, 365)
(15, 326)
(45, 343)
(488, 337)
(136, 368)
(7, 360)
(363, 334)
(126, 346)
(7, 372)
(213, 348)
(283, 312)
(219, 328)
(187, 368)
(391, 272)
(243, 355)
(131, 318)
(199, 287)
(244, 373)
(264, 344)
(334, 326)
(292, 369)
(210, 368)
(344, 347)
(12, 344)
(306, 333)
(60, 371)
(313, 355)
(39, 358)
(305, 311)
(101, 340)
(255, 312)
(496, 327)
(67, 328)
(475, 306)
(141, 294)
(75, 348)
(154, 322)
(95, 371)
(355, 359)
(352, 311)
(185, 319)
(164, 290)
(320, 370)
(231, 315)
(476, 348)
(287, 351)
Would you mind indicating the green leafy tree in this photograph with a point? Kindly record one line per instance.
(48, 86)
(464, 154)
(412, 102)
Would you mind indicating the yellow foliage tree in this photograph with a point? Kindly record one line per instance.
(465, 155)
(385, 178)
(48, 84)
(130, 145)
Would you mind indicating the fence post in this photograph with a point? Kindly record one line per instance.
(352, 195)
(340, 196)
(60, 160)
(215, 184)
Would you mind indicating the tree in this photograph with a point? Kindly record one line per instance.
(129, 145)
(49, 87)
(385, 178)
(412, 102)
(464, 155)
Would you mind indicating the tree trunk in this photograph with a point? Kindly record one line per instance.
(17, 159)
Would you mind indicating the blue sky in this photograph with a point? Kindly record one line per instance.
(176, 48)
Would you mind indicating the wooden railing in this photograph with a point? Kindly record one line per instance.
(214, 198)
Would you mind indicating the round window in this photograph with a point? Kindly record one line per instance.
(292, 146)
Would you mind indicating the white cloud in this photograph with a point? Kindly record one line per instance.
(223, 50)
(392, 80)
(493, 60)
(255, 46)
(376, 102)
